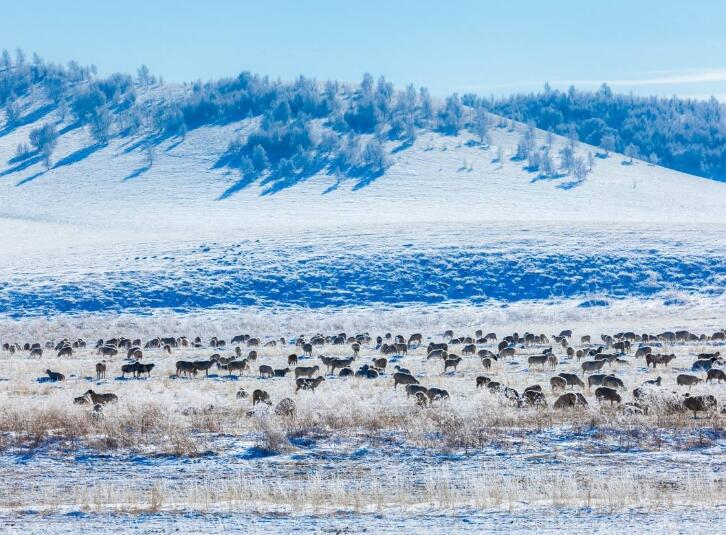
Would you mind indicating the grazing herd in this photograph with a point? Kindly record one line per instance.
(589, 365)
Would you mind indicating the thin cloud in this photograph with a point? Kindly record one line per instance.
(651, 78)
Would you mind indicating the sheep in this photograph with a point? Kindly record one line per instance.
(340, 363)
(266, 371)
(402, 370)
(204, 365)
(592, 365)
(101, 399)
(482, 380)
(346, 372)
(282, 372)
(468, 349)
(437, 394)
(609, 394)
(595, 379)
(687, 380)
(572, 379)
(242, 394)
(715, 373)
(144, 368)
(613, 382)
(570, 400)
(100, 371)
(400, 378)
(537, 360)
(237, 365)
(306, 371)
(437, 354)
(260, 396)
(308, 384)
(380, 363)
(412, 390)
(55, 376)
(700, 403)
(655, 382)
(451, 363)
(66, 351)
(292, 360)
(486, 363)
(186, 367)
(506, 352)
(81, 400)
(36, 352)
(534, 398)
(129, 368)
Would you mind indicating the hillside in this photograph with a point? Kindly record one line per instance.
(150, 220)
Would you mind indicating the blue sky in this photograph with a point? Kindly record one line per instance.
(649, 47)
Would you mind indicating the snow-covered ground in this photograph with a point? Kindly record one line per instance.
(102, 244)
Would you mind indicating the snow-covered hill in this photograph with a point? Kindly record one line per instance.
(104, 230)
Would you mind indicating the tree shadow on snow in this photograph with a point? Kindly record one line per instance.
(137, 173)
(30, 178)
(80, 154)
(22, 165)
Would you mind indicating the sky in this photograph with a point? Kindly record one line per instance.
(486, 47)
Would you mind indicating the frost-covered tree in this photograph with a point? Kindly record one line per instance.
(44, 140)
(99, 125)
(452, 116)
(5, 62)
(631, 151)
(480, 124)
(608, 143)
(567, 158)
(12, 112)
(260, 161)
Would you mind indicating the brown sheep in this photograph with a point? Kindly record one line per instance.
(412, 390)
(266, 371)
(537, 360)
(204, 365)
(55, 376)
(380, 363)
(608, 394)
(437, 394)
(260, 396)
(570, 400)
(403, 379)
(306, 371)
(451, 363)
(715, 373)
(129, 368)
(186, 367)
(238, 365)
(590, 366)
(469, 349)
(101, 399)
(100, 370)
(340, 363)
(482, 380)
(700, 403)
(486, 363)
(572, 379)
(687, 380)
(292, 360)
(308, 384)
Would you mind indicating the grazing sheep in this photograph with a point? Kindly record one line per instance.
(186, 367)
(55, 376)
(66, 351)
(482, 380)
(81, 400)
(422, 399)
(252, 355)
(238, 365)
(129, 368)
(292, 360)
(608, 394)
(306, 371)
(266, 371)
(340, 363)
(402, 370)
(308, 384)
(700, 403)
(412, 390)
(506, 352)
(558, 383)
(613, 382)
(537, 360)
(552, 361)
(260, 396)
(570, 400)
(437, 394)
(204, 365)
(596, 379)
(655, 382)
(282, 372)
(534, 398)
(687, 380)
(437, 354)
(715, 373)
(36, 352)
(242, 393)
(100, 371)
(400, 378)
(101, 399)
(346, 372)
(590, 366)
(380, 363)
(307, 349)
(144, 368)
(451, 363)
(572, 379)
(286, 407)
